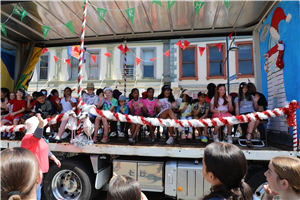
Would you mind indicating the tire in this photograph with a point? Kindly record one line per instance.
(256, 180)
(74, 180)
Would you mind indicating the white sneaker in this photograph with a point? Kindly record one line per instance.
(48, 130)
(170, 140)
(121, 134)
(64, 135)
(113, 134)
(55, 134)
(147, 133)
(216, 139)
(229, 139)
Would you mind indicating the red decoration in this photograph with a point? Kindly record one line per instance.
(68, 61)
(167, 53)
(107, 54)
(55, 58)
(219, 46)
(179, 44)
(185, 44)
(126, 49)
(44, 50)
(138, 61)
(231, 35)
(94, 58)
(152, 59)
(201, 49)
(121, 48)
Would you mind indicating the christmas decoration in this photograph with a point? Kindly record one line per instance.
(152, 59)
(3, 29)
(185, 44)
(69, 25)
(45, 31)
(55, 59)
(44, 50)
(138, 61)
(179, 44)
(101, 13)
(201, 50)
(167, 53)
(17, 11)
(170, 4)
(94, 58)
(130, 13)
(68, 61)
(107, 54)
(157, 1)
(24, 13)
(198, 5)
(219, 45)
(227, 2)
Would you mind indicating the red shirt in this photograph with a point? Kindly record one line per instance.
(207, 100)
(18, 104)
(33, 103)
(39, 148)
(53, 98)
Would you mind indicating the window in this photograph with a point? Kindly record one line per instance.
(74, 67)
(93, 66)
(58, 65)
(216, 65)
(43, 72)
(110, 62)
(244, 59)
(188, 63)
(130, 64)
(148, 66)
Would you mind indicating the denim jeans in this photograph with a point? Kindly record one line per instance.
(190, 128)
(39, 191)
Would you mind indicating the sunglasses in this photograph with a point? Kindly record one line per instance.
(20, 93)
(44, 93)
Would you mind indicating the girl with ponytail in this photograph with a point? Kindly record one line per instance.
(227, 181)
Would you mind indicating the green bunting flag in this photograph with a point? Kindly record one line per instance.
(24, 13)
(69, 25)
(130, 13)
(45, 31)
(3, 29)
(170, 4)
(101, 13)
(17, 11)
(157, 1)
(227, 2)
(198, 5)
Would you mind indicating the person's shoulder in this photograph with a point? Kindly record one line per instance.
(212, 100)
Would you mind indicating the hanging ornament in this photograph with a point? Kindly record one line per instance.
(170, 4)
(17, 11)
(227, 2)
(107, 54)
(3, 29)
(198, 5)
(138, 61)
(94, 58)
(201, 49)
(167, 53)
(68, 61)
(101, 13)
(44, 50)
(69, 25)
(185, 44)
(55, 59)
(231, 35)
(130, 13)
(157, 1)
(219, 45)
(152, 59)
(45, 31)
(24, 13)
(179, 44)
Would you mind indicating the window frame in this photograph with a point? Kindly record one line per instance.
(237, 60)
(142, 62)
(72, 79)
(39, 64)
(208, 62)
(59, 62)
(88, 52)
(134, 63)
(196, 64)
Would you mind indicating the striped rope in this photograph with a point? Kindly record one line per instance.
(125, 71)
(295, 138)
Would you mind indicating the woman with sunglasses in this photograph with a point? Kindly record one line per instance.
(246, 103)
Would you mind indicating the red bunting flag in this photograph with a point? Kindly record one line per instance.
(126, 49)
(185, 44)
(152, 59)
(55, 58)
(231, 35)
(138, 61)
(94, 57)
(68, 61)
(179, 44)
(167, 53)
(44, 50)
(121, 48)
(219, 45)
(201, 49)
(107, 54)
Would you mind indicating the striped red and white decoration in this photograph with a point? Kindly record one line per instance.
(125, 69)
(295, 138)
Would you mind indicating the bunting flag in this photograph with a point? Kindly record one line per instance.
(157, 1)
(69, 25)
(68, 61)
(101, 13)
(185, 44)
(138, 61)
(219, 45)
(45, 31)
(231, 35)
(121, 48)
(198, 5)
(94, 58)
(130, 13)
(3, 29)
(179, 44)
(152, 59)
(83, 4)
(227, 2)
(24, 13)
(55, 59)
(44, 50)
(126, 49)
(107, 54)
(170, 4)
(17, 11)
(201, 49)
(167, 53)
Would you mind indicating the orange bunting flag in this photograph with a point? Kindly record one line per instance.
(167, 53)
(179, 44)
(107, 54)
(44, 50)
(121, 48)
(219, 45)
(126, 49)
(55, 58)
(94, 58)
(185, 44)
(201, 49)
(138, 61)
(231, 35)
(152, 59)
(68, 61)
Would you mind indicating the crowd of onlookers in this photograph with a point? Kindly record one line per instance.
(18, 107)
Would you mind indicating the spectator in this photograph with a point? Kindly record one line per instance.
(211, 87)
(90, 98)
(227, 181)
(123, 109)
(262, 99)
(283, 178)
(4, 100)
(54, 95)
(116, 94)
(44, 91)
(98, 91)
(20, 174)
(185, 109)
(42, 106)
(30, 106)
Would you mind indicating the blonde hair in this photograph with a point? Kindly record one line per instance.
(288, 168)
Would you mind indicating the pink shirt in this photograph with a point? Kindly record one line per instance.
(150, 105)
(137, 108)
(221, 107)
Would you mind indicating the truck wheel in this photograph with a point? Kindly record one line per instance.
(256, 181)
(74, 180)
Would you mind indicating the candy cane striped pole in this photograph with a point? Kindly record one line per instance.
(80, 62)
(125, 69)
(295, 137)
